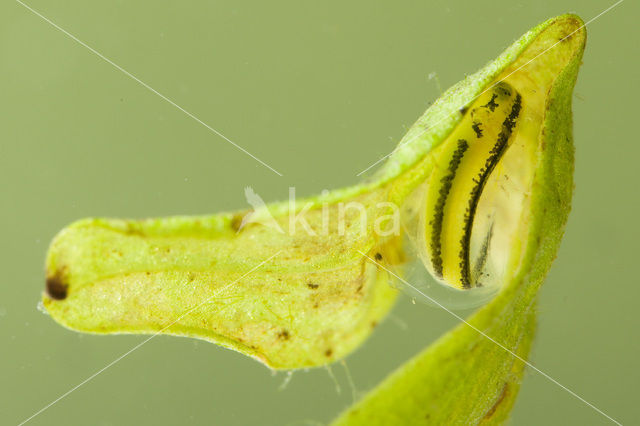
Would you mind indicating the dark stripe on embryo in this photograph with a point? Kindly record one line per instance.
(494, 156)
(438, 216)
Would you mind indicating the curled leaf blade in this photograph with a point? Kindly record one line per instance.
(470, 375)
(316, 301)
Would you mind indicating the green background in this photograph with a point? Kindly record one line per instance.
(318, 90)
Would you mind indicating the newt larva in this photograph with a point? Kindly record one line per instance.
(464, 164)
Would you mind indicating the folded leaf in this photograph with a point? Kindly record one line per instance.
(288, 283)
(470, 375)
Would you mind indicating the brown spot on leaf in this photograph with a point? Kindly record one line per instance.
(56, 287)
(132, 230)
(378, 256)
(501, 398)
(328, 352)
(284, 335)
(236, 221)
(566, 37)
(313, 286)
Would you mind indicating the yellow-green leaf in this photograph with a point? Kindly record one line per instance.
(291, 287)
(470, 375)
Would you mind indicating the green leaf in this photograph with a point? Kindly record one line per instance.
(290, 287)
(286, 291)
(470, 376)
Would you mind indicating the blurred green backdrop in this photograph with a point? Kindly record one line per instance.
(318, 90)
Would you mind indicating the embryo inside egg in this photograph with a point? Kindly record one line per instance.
(498, 225)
